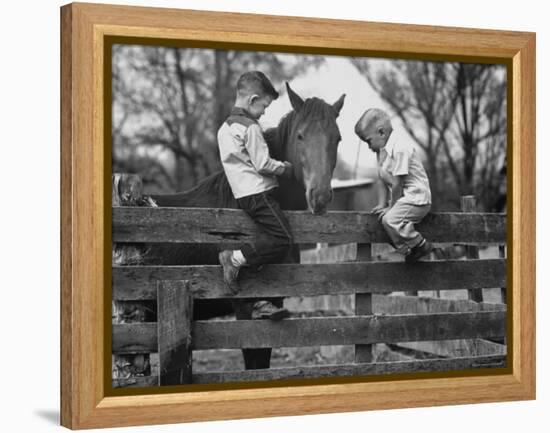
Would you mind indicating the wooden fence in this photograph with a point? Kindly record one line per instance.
(174, 336)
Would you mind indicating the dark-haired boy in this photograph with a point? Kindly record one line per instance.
(252, 175)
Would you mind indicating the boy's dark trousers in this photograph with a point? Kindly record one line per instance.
(274, 238)
(273, 242)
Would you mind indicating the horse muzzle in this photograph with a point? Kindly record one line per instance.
(318, 200)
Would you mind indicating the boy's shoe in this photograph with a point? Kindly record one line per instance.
(230, 271)
(421, 250)
(266, 310)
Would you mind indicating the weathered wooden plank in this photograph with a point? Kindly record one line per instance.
(413, 352)
(139, 282)
(175, 315)
(367, 369)
(143, 224)
(363, 306)
(424, 305)
(468, 204)
(136, 382)
(457, 348)
(135, 338)
(347, 330)
(502, 254)
(126, 189)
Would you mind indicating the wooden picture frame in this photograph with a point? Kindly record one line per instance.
(85, 213)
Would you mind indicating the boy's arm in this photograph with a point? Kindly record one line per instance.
(390, 189)
(383, 193)
(396, 189)
(259, 153)
(384, 188)
(400, 170)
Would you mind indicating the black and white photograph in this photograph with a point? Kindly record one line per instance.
(279, 217)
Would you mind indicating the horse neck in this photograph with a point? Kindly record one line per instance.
(291, 194)
(278, 139)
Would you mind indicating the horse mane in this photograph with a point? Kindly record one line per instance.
(276, 137)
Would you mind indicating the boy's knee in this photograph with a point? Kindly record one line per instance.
(390, 223)
(284, 238)
(284, 242)
(386, 220)
(281, 250)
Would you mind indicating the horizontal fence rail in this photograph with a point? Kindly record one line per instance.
(142, 338)
(189, 225)
(333, 370)
(342, 370)
(348, 330)
(205, 281)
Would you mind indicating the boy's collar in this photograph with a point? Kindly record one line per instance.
(390, 144)
(239, 111)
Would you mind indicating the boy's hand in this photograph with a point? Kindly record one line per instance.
(288, 170)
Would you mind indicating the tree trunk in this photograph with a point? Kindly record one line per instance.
(222, 92)
(185, 175)
(468, 169)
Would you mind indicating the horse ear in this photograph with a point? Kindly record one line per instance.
(338, 104)
(295, 100)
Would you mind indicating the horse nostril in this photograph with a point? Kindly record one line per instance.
(326, 196)
(319, 197)
(319, 207)
(310, 196)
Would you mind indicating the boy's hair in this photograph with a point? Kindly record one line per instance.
(373, 117)
(255, 82)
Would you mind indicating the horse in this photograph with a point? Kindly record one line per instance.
(308, 137)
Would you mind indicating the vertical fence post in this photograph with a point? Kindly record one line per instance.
(502, 255)
(126, 189)
(472, 251)
(363, 306)
(175, 315)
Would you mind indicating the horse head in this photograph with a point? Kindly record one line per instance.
(311, 146)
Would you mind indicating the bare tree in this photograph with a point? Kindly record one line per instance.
(173, 100)
(456, 113)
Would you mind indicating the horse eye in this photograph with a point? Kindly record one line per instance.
(300, 136)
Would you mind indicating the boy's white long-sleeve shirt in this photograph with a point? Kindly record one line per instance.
(245, 156)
